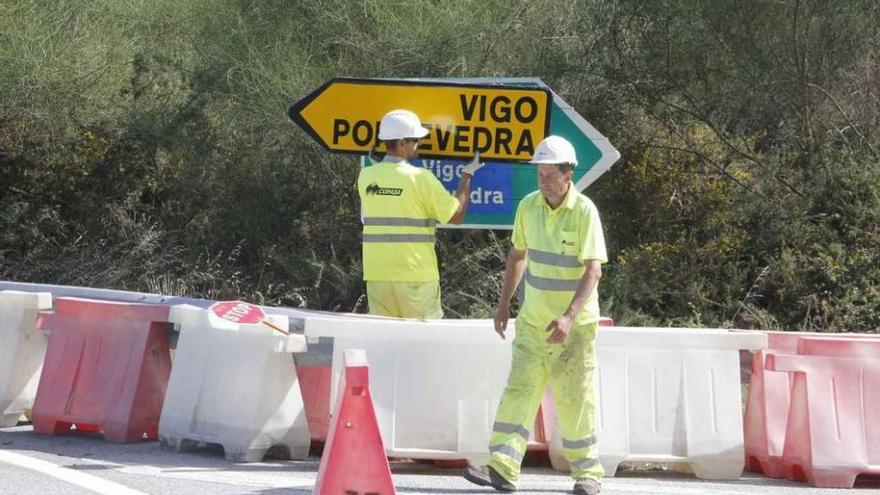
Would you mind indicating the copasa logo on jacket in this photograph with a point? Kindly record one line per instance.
(376, 190)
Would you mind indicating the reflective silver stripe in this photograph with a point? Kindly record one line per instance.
(584, 463)
(511, 428)
(551, 283)
(579, 444)
(508, 451)
(399, 222)
(398, 238)
(554, 259)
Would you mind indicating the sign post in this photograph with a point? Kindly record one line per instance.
(502, 118)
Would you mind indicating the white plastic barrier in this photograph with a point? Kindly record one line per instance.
(21, 352)
(435, 384)
(664, 395)
(670, 395)
(234, 385)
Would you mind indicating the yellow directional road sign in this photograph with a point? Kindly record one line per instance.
(501, 122)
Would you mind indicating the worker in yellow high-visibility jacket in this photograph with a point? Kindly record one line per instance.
(400, 206)
(559, 246)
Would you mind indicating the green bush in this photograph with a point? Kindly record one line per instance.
(145, 146)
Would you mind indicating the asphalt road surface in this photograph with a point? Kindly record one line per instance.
(84, 464)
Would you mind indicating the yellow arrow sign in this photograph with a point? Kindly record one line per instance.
(501, 122)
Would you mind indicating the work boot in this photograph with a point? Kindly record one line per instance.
(588, 486)
(487, 476)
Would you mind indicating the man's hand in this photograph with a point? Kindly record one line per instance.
(558, 329)
(501, 316)
(472, 166)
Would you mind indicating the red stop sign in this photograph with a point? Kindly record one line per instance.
(238, 312)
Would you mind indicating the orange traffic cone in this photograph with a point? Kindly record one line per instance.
(354, 461)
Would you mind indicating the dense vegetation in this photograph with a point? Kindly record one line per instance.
(144, 146)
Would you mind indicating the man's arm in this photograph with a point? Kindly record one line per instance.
(516, 265)
(463, 195)
(560, 326)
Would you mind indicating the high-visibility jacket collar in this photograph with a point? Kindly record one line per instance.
(393, 159)
(568, 201)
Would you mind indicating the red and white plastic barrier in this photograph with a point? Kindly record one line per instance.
(106, 369)
(833, 424)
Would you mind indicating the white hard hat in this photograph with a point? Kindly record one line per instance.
(401, 124)
(555, 149)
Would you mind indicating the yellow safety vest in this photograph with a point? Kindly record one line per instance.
(400, 206)
(557, 242)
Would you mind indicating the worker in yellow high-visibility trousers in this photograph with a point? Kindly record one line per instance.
(400, 206)
(559, 245)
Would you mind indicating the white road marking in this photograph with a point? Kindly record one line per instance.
(72, 476)
(251, 477)
(215, 475)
